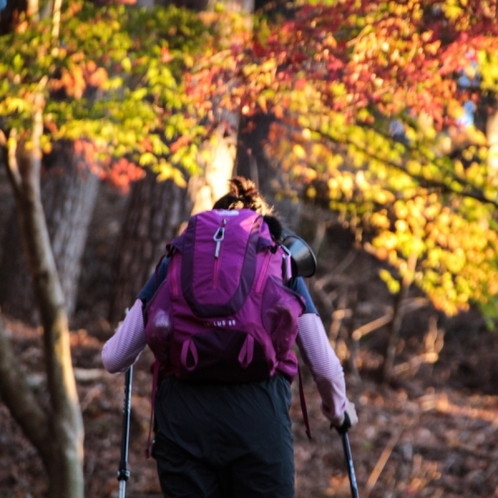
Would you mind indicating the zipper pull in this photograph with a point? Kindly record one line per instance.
(218, 237)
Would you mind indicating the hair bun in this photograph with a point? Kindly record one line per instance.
(243, 194)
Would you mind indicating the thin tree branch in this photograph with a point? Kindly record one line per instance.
(408, 306)
(19, 398)
(416, 150)
(473, 193)
(468, 189)
(56, 21)
(384, 457)
(10, 153)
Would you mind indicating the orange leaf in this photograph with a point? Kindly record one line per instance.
(300, 84)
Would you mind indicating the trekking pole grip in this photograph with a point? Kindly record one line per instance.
(346, 424)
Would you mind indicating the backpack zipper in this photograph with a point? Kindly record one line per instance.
(218, 237)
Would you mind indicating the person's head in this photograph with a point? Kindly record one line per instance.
(243, 194)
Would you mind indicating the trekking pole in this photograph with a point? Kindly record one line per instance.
(343, 431)
(123, 472)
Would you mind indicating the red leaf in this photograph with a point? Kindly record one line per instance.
(300, 84)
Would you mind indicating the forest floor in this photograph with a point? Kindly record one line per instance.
(432, 433)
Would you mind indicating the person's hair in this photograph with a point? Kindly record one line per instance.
(243, 194)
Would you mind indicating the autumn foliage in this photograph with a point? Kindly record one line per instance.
(367, 99)
(370, 97)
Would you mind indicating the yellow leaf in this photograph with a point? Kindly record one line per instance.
(164, 170)
(268, 65)
(261, 100)
(299, 151)
(126, 65)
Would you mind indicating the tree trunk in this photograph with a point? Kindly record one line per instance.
(218, 155)
(253, 162)
(19, 398)
(51, 435)
(6, 209)
(206, 189)
(61, 443)
(11, 15)
(154, 215)
(69, 192)
(492, 138)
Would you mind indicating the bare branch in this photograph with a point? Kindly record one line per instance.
(18, 397)
(56, 21)
(11, 162)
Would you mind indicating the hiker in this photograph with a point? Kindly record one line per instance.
(225, 430)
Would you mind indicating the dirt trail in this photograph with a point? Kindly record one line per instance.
(433, 434)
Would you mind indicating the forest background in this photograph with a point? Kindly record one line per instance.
(372, 126)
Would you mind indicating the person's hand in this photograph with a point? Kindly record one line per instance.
(348, 419)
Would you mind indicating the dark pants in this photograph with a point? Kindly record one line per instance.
(224, 440)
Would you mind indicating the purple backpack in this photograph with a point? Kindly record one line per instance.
(223, 312)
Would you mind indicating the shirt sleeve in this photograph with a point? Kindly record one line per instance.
(124, 348)
(320, 358)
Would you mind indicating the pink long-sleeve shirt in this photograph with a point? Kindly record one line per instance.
(125, 346)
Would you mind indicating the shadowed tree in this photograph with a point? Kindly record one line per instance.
(151, 222)
(54, 91)
(154, 213)
(69, 190)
